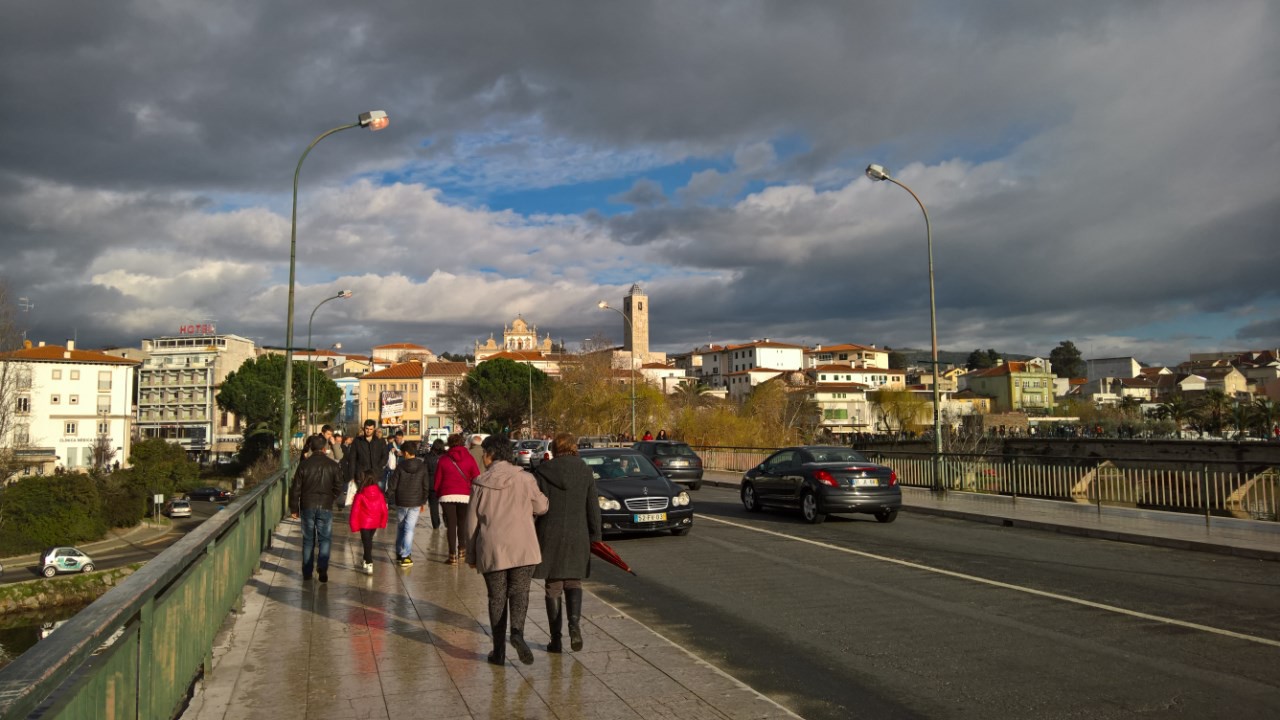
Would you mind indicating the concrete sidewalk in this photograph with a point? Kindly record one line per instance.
(411, 642)
(1229, 536)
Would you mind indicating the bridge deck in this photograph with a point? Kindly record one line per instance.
(412, 643)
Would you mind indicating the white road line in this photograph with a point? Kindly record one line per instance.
(1004, 585)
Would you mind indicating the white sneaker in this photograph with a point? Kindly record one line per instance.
(368, 568)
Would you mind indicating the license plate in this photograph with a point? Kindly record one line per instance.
(866, 482)
(650, 517)
(679, 463)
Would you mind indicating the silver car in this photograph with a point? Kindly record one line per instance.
(178, 508)
(531, 452)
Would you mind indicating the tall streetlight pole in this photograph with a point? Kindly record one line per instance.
(531, 399)
(342, 295)
(603, 305)
(374, 120)
(877, 173)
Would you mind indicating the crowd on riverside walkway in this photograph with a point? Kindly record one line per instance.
(508, 524)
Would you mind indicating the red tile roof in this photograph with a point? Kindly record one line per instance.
(447, 368)
(518, 355)
(58, 353)
(843, 347)
(403, 371)
(400, 346)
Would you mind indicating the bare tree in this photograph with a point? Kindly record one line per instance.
(15, 386)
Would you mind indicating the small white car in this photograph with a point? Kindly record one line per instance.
(64, 560)
(178, 508)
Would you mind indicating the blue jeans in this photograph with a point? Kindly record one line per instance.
(406, 518)
(317, 536)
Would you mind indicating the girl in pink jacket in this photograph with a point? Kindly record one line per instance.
(368, 513)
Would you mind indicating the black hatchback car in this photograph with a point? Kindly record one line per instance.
(819, 480)
(674, 459)
(634, 495)
(212, 494)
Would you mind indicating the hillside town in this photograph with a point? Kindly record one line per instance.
(76, 408)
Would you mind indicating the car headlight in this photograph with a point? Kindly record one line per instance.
(609, 504)
(681, 500)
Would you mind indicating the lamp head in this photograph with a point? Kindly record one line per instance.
(374, 119)
(877, 172)
(344, 294)
(337, 346)
(603, 305)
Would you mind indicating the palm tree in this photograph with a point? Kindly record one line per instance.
(1213, 411)
(1263, 413)
(1177, 409)
(690, 393)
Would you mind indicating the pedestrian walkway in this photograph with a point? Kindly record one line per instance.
(1230, 536)
(411, 642)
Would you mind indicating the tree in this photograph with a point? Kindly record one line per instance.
(897, 360)
(784, 414)
(979, 360)
(255, 392)
(899, 410)
(690, 393)
(15, 379)
(1212, 412)
(1067, 361)
(495, 396)
(1261, 416)
(161, 467)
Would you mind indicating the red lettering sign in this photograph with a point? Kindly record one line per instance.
(197, 329)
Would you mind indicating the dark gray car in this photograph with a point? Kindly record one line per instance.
(675, 459)
(819, 479)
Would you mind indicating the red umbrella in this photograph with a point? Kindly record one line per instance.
(606, 553)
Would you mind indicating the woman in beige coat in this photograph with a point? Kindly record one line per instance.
(503, 544)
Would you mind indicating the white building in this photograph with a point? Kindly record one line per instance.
(1117, 367)
(68, 402)
(850, 354)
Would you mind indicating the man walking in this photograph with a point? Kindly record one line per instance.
(407, 491)
(316, 484)
(368, 452)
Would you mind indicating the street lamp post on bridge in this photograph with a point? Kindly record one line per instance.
(374, 120)
(342, 295)
(877, 173)
(604, 305)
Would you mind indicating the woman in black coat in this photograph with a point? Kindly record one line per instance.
(565, 533)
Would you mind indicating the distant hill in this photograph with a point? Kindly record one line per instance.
(948, 358)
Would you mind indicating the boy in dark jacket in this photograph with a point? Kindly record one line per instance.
(317, 484)
(407, 490)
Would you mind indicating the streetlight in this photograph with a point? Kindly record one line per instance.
(877, 173)
(530, 399)
(342, 295)
(374, 120)
(603, 305)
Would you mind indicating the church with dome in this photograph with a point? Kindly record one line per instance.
(516, 337)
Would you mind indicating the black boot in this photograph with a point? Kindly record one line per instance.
(522, 649)
(573, 599)
(555, 620)
(499, 654)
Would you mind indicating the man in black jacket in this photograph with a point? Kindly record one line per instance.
(407, 491)
(368, 452)
(316, 484)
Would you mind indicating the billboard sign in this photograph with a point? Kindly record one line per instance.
(392, 405)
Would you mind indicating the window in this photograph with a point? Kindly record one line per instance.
(69, 429)
(435, 384)
(73, 400)
(435, 402)
(413, 404)
(56, 374)
(373, 405)
(104, 403)
(104, 379)
(75, 374)
(24, 405)
(22, 434)
(55, 399)
(104, 428)
(835, 414)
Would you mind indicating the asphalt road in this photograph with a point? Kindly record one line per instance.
(930, 617)
(200, 511)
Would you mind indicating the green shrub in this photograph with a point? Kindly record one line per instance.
(54, 510)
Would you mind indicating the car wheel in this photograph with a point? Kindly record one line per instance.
(88, 567)
(887, 516)
(680, 532)
(749, 499)
(695, 485)
(50, 571)
(809, 508)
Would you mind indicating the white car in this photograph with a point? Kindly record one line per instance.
(178, 509)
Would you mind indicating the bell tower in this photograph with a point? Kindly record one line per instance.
(636, 307)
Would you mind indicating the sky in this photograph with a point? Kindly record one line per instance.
(1105, 173)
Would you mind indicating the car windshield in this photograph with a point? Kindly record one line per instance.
(615, 467)
(673, 451)
(836, 455)
(530, 444)
(181, 503)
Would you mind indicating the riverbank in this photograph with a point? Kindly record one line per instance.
(22, 598)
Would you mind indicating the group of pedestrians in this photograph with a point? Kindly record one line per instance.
(508, 524)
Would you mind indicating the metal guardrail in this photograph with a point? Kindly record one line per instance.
(1225, 488)
(135, 652)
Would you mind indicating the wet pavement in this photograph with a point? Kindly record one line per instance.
(412, 642)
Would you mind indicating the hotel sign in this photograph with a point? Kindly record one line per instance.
(197, 329)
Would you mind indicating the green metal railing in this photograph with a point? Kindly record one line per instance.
(135, 652)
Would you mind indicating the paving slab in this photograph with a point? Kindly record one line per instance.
(412, 642)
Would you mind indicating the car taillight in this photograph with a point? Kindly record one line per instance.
(893, 478)
(825, 478)
(657, 462)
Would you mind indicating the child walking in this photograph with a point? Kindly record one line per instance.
(368, 513)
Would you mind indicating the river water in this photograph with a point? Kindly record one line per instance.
(20, 632)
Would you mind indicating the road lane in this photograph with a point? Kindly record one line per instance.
(832, 634)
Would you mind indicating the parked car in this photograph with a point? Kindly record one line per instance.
(178, 508)
(819, 480)
(598, 441)
(531, 452)
(675, 459)
(211, 494)
(64, 560)
(634, 495)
